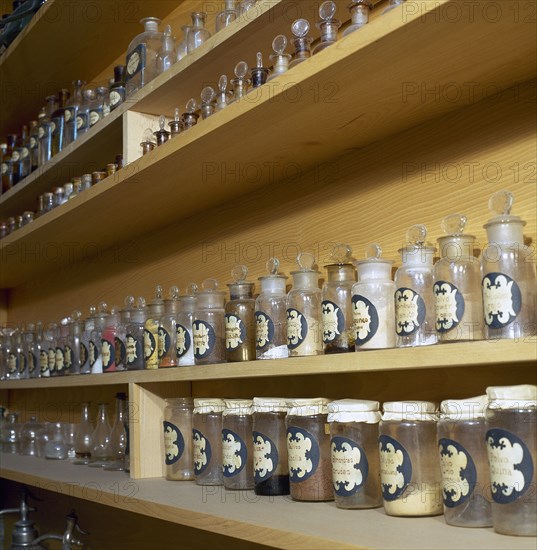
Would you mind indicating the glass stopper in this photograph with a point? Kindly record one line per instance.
(192, 289)
(168, 31)
(158, 292)
(327, 10)
(177, 114)
(273, 266)
(141, 302)
(129, 302)
(305, 261)
(454, 224)
(417, 234)
(300, 28)
(174, 292)
(501, 202)
(210, 285)
(92, 311)
(239, 273)
(76, 315)
(162, 122)
(279, 44)
(222, 83)
(259, 58)
(207, 95)
(103, 307)
(241, 69)
(191, 106)
(342, 253)
(148, 136)
(373, 251)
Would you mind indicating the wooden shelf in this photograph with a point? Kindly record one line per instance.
(203, 167)
(278, 522)
(456, 355)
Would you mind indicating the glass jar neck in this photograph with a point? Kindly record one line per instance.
(85, 413)
(340, 273)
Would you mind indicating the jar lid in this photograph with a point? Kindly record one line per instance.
(270, 404)
(238, 407)
(409, 410)
(308, 406)
(208, 405)
(354, 410)
(471, 408)
(510, 397)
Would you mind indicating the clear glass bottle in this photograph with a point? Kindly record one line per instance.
(41, 353)
(151, 339)
(226, 16)
(222, 98)
(207, 441)
(463, 462)
(414, 296)
(88, 327)
(509, 280)
(84, 441)
(96, 106)
(7, 164)
(83, 113)
(11, 434)
(359, 10)
(355, 453)
(511, 441)
(176, 125)
(190, 118)
(328, 26)
(301, 41)
(177, 425)
(31, 355)
(308, 448)
(240, 82)
(56, 447)
(28, 437)
(118, 436)
(71, 112)
(167, 55)
(58, 121)
(121, 333)
(271, 472)
(197, 33)
(21, 351)
(50, 343)
(142, 56)
(337, 318)
(26, 160)
(457, 277)
(280, 58)
(161, 135)
(237, 444)
(45, 131)
(117, 88)
(167, 330)
(271, 314)
(33, 145)
(182, 47)
(183, 327)
(245, 6)
(108, 340)
(101, 451)
(373, 307)
(20, 157)
(304, 316)
(134, 340)
(259, 73)
(240, 318)
(208, 326)
(72, 347)
(409, 464)
(95, 345)
(207, 102)
(62, 334)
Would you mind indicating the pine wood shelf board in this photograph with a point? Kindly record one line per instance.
(67, 40)
(275, 521)
(455, 355)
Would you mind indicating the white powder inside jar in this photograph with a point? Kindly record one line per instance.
(419, 499)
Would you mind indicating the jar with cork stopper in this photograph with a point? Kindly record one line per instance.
(167, 331)
(183, 327)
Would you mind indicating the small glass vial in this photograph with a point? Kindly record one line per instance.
(337, 319)
(177, 426)
(511, 441)
(183, 327)
(414, 297)
(208, 327)
(240, 318)
(167, 55)
(409, 465)
(457, 277)
(162, 135)
(222, 98)
(271, 314)
(148, 142)
(308, 448)
(207, 441)
(207, 102)
(355, 453)
(190, 118)
(359, 10)
(167, 331)
(304, 329)
(176, 125)
(463, 462)
(259, 73)
(182, 47)
(509, 289)
(280, 59)
(226, 16)
(270, 465)
(328, 26)
(240, 82)
(135, 334)
(151, 339)
(197, 33)
(302, 42)
(373, 306)
(237, 444)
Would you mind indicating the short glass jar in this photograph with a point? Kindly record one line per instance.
(177, 427)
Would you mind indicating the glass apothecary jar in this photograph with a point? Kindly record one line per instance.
(409, 464)
(463, 462)
(355, 453)
(512, 452)
(177, 427)
(308, 450)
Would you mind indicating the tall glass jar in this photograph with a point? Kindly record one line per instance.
(184, 340)
(84, 441)
(72, 348)
(151, 339)
(71, 112)
(337, 321)
(271, 314)
(108, 340)
(457, 276)
(134, 339)
(101, 453)
(463, 461)
(304, 328)
(240, 318)
(373, 306)
(197, 33)
(177, 426)
(89, 325)
(512, 452)
(270, 465)
(167, 330)
(308, 450)
(207, 440)
(409, 464)
(237, 445)
(414, 297)
(28, 437)
(355, 453)
(509, 284)
(208, 330)
(50, 344)
(95, 347)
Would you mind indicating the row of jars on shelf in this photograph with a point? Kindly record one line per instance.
(473, 462)
(456, 299)
(99, 444)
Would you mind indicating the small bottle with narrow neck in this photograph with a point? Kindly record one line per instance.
(359, 10)
(301, 41)
(240, 82)
(226, 16)
(151, 339)
(118, 436)
(167, 330)
(101, 451)
(259, 73)
(280, 58)
(222, 98)
(197, 34)
(84, 442)
(184, 340)
(328, 26)
(207, 102)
